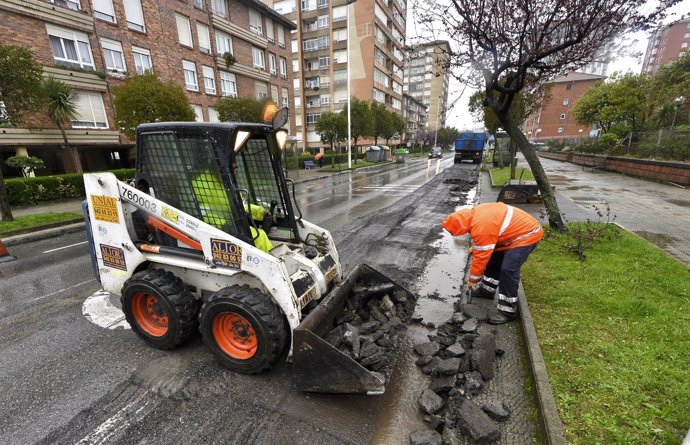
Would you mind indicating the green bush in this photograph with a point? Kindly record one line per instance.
(25, 191)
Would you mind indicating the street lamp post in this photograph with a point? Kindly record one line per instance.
(349, 111)
(678, 103)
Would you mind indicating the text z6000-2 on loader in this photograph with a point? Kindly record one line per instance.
(207, 237)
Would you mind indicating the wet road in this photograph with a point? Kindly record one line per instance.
(65, 380)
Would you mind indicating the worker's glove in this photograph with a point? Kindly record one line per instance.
(472, 285)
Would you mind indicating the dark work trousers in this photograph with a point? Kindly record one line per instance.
(503, 271)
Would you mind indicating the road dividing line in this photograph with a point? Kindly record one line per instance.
(66, 247)
(62, 290)
(100, 311)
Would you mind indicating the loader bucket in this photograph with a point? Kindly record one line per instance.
(329, 345)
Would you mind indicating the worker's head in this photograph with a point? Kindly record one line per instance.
(458, 223)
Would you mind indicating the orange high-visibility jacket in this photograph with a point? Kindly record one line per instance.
(492, 226)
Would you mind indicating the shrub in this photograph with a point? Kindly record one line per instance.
(26, 191)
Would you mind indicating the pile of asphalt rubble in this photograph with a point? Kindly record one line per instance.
(369, 327)
(460, 359)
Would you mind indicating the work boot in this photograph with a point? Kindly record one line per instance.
(480, 292)
(499, 317)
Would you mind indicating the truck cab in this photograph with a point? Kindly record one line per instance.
(470, 147)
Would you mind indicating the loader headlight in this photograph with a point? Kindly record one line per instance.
(281, 139)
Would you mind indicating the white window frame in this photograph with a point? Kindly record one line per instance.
(198, 113)
(261, 91)
(322, 21)
(255, 23)
(134, 14)
(272, 63)
(209, 76)
(283, 67)
(258, 60)
(213, 115)
(81, 43)
(103, 10)
(69, 4)
(184, 31)
(285, 97)
(223, 43)
(562, 116)
(228, 84)
(281, 35)
(220, 8)
(560, 130)
(94, 106)
(189, 70)
(144, 54)
(270, 34)
(204, 36)
(112, 54)
(566, 101)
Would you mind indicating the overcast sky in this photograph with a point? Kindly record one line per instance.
(459, 115)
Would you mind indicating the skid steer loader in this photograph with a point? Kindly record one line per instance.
(207, 237)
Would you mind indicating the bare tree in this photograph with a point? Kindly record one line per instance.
(515, 45)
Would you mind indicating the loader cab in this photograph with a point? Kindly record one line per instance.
(227, 175)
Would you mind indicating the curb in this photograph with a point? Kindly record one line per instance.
(549, 419)
(43, 233)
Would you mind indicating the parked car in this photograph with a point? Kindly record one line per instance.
(436, 152)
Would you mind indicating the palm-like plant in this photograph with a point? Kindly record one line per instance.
(61, 108)
(664, 115)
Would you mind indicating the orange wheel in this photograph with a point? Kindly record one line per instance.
(150, 314)
(235, 335)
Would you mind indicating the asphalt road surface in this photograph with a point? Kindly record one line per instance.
(64, 379)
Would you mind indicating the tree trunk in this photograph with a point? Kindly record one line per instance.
(72, 151)
(5, 210)
(513, 153)
(548, 196)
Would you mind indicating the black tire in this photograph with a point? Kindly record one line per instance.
(159, 308)
(244, 329)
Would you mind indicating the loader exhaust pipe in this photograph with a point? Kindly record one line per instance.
(319, 366)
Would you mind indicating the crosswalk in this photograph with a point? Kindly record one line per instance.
(389, 188)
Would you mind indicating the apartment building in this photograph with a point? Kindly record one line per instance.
(666, 44)
(554, 119)
(326, 44)
(416, 117)
(427, 78)
(93, 45)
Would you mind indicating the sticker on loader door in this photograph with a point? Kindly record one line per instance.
(226, 254)
(113, 257)
(105, 208)
(170, 215)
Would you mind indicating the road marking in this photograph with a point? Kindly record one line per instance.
(132, 412)
(62, 290)
(100, 311)
(65, 247)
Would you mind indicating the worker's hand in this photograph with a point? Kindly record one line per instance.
(473, 285)
(451, 225)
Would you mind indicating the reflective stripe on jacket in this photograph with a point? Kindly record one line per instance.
(493, 226)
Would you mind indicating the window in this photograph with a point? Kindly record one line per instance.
(566, 101)
(142, 60)
(284, 97)
(340, 35)
(397, 88)
(90, 112)
(190, 81)
(379, 96)
(378, 12)
(219, 8)
(294, 46)
(199, 4)
(325, 100)
(198, 113)
(323, 21)
(340, 56)
(312, 118)
(209, 79)
(269, 30)
(295, 65)
(228, 84)
(73, 5)
(274, 93)
(103, 9)
(298, 103)
(322, 4)
(283, 67)
(184, 31)
(134, 15)
(340, 96)
(255, 24)
(339, 13)
(271, 63)
(324, 62)
(396, 104)
(223, 43)
(380, 78)
(340, 76)
(324, 81)
(308, 5)
(687, 35)
(70, 48)
(379, 56)
(261, 90)
(213, 115)
(310, 45)
(258, 58)
(563, 116)
(560, 130)
(281, 35)
(204, 38)
(112, 54)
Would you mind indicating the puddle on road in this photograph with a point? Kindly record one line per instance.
(659, 240)
(437, 290)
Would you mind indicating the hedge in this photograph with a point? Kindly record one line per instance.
(26, 191)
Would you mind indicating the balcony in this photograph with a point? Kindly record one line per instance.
(78, 20)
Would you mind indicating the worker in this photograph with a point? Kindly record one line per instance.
(215, 207)
(502, 236)
(319, 159)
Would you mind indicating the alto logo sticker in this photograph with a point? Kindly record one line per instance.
(226, 254)
(113, 257)
(170, 215)
(105, 208)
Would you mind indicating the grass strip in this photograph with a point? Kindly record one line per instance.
(499, 176)
(615, 334)
(39, 219)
